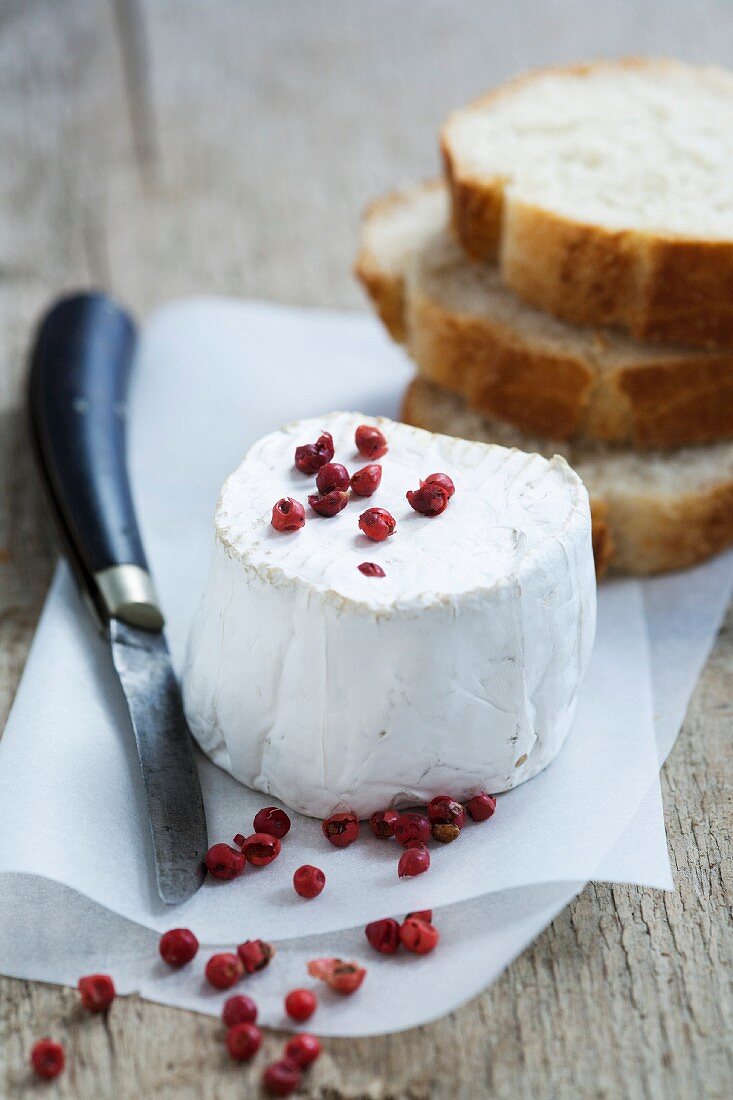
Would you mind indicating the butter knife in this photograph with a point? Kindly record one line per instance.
(79, 371)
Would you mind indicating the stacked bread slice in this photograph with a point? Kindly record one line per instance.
(591, 196)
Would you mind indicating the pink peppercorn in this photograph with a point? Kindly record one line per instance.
(224, 862)
(238, 840)
(272, 820)
(261, 849)
(440, 479)
(382, 823)
(97, 992)
(223, 970)
(255, 955)
(348, 977)
(332, 476)
(411, 826)
(384, 935)
(444, 810)
(341, 829)
(366, 481)
(418, 936)
(48, 1058)
(413, 861)
(429, 500)
(239, 1009)
(178, 946)
(302, 1049)
(371, 569)
(288, 515)
(377, 524)
(309, 881)
(330, 504)
(300, 1004)
(344, 977)
(370, 442)
(243, 1041)
(482, 806)
(311, 456)
(421, 914)
(281, 1078)
(447, 818)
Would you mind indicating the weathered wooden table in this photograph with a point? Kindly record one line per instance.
(177, 147)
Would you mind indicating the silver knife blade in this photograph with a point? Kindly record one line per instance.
(172, 789)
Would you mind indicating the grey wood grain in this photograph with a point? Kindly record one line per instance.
(178, 147)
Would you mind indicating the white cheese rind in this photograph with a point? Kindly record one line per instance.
(459, 671)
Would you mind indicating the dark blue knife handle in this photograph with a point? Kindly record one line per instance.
(80, 368)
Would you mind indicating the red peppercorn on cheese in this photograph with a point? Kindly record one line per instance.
(455, 672)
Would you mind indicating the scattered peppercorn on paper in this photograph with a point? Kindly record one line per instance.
(77, 893)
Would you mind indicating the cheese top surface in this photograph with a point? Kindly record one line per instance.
(509, 509)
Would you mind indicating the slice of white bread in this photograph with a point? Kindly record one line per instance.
(394, 228)
(652, 511)
(605, 191)
(471, 335)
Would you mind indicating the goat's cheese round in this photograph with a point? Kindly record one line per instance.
(457, 671)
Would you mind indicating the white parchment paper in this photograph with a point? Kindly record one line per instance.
(211, 377)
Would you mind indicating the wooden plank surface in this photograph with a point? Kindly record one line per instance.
(175, 147)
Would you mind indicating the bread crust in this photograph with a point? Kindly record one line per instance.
(668, 398)
(662, 288)
(535, 390)
(677, 403)
(665, 402)
(655, 536)
(601, 537)
(387, 294)
(638, 534)
(386, 287)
